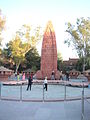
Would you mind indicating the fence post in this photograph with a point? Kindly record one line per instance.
(21, 92)
(43, 92)
(0, 90)
(82, 114)
(65, 91)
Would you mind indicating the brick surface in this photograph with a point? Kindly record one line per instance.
(48, 54)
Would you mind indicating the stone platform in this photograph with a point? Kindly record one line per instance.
(57, 82)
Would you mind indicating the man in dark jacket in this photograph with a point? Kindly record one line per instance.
(29, 83)
(67, 76)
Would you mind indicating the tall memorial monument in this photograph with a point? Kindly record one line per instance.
(48, 54)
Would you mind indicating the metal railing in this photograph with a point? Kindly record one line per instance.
(55, 92)
(0, 90)
(83, 99)
(82, 104)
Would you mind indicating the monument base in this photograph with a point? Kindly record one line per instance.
(40, 75)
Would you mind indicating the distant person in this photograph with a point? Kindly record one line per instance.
(18, 77)
(67, 76)
(32, 75)
(29, 83)
(53, 76)
(23, 77)
(61, 77)
(15, 76)
(45, 83)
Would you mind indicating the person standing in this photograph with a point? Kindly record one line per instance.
(18, 77)
(29, 83)
(67, 76)
(61, 78)
(45, 83)
(32, 75)
(53, 75)
(23, 77)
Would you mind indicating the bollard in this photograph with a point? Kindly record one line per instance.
(65, 91)
(82, 114)
(43, 92)
(21, 92)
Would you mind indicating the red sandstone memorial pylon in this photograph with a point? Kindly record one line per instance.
(48, 54)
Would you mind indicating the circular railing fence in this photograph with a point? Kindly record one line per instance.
(55, 92)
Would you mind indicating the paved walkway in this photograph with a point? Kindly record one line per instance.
(67, 110)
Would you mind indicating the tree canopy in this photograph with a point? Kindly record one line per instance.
(80, 37)
(2, 26)
(33, 59)
(23, 41)
(59, 61)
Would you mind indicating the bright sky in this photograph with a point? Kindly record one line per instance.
(38, 12)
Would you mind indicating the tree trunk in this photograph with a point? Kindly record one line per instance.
(17, 66)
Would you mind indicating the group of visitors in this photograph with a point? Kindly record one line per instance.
(64, 76)
(19, 76)
(30, 81)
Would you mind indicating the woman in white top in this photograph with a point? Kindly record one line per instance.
(45, 83)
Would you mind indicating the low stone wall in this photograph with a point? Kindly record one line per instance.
(52, 82)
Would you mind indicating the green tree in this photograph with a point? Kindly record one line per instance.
(6, 59)
(17, 51)
(79, 65)
(33, 59)
(59, 61)
(80, 38)
(2, 26)
(23, 41)
(30, 35)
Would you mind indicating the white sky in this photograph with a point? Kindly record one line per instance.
(38, 12)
